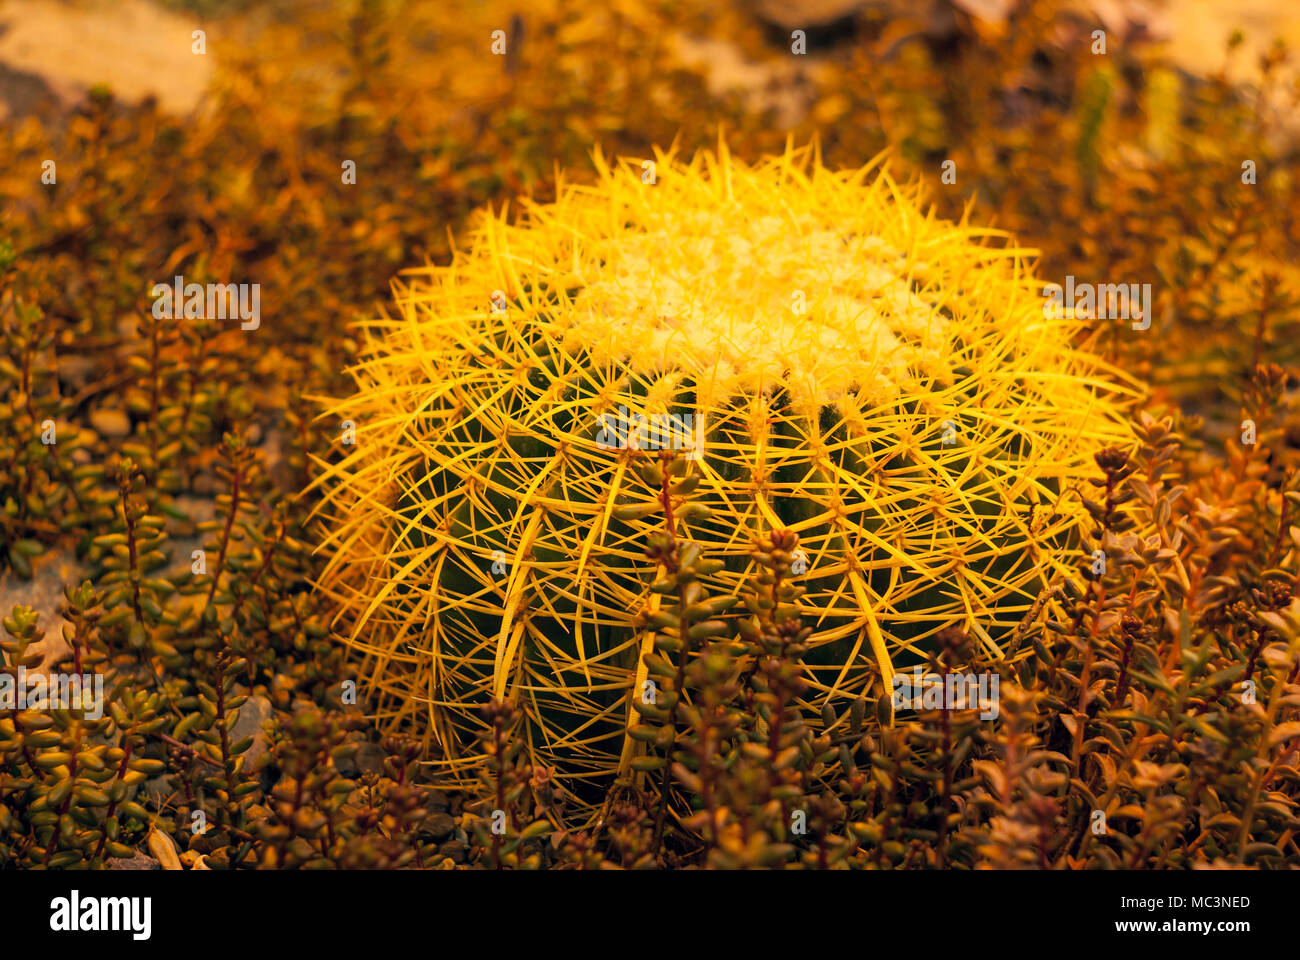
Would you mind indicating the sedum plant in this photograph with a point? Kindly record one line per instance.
(829, 357)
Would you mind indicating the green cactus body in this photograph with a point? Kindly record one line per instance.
(882, 383)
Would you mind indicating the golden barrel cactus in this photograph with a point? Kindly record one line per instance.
(833, 358)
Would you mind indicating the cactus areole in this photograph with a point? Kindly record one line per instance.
(831, 357)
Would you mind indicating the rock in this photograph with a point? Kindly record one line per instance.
(108, 422)
(185, 540)
(805, 14)
(454, 850)
(138, 861)
(140, 50)
(75, 370)
(435, 801)
(369, 758)
(23, 94)
(205, 484)
(347, 766)
(829, 23)
(44, 594)
(197, 510)
(158, 790)
(275, 457)
(781, 86)
(255, 712)
(437, 826)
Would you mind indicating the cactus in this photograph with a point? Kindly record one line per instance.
(835, 360)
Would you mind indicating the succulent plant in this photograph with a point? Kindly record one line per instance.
(837, 361)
